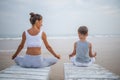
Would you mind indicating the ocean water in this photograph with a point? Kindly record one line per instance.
(62, 37)
(10, 44)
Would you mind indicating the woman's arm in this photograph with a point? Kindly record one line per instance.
(44, 37)
(20, 47)
(90, 51)
(74, 51)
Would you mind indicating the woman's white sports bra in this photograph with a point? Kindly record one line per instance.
(34, 41)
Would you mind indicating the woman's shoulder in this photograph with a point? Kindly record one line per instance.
(24, 35)
(25, 32)
(44, 36)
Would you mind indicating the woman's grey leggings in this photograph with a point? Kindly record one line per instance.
(32, 61)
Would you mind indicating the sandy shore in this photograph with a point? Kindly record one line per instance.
(107, 48)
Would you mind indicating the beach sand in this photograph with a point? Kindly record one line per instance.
(107, 48)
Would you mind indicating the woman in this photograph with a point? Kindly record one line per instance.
(33, 38)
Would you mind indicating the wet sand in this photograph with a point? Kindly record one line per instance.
(107, 48)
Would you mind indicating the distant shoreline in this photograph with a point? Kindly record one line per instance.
(10, 44)
(62, 37)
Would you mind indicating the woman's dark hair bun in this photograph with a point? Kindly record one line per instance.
(34, 17)
(32, 14)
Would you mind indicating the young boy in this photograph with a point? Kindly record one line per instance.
(82, 49)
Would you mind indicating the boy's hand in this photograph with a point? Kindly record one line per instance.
(95, 54)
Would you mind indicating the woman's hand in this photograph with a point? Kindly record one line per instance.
(13, 57)
(58, 56)
(70, 55)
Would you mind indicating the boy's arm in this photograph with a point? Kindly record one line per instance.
(90, 51)
(74, 51)
(20, 47)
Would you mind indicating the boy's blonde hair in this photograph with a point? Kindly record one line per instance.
(83, 30)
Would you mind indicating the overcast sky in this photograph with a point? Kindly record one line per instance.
(60, 17)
